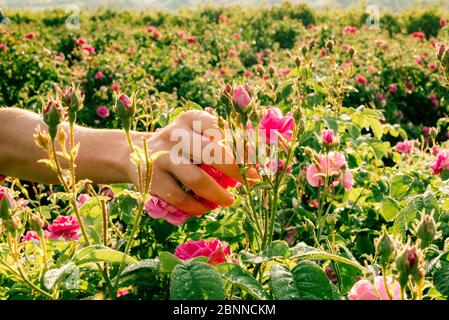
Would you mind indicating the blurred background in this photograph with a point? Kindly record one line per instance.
(394, 5)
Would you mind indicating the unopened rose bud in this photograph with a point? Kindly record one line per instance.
(5, 204)
(409, 263)
(330, 45)
(352, 52)
(228, 89)
(53, 117)
(72, 99)
(385, 249)
(328, 137)
(312, 43)
(125, 109)
(271, 71)
(11, 225)
(298, 62)
(426, 230)
(42, 139)
(241, 97)
(304, 50)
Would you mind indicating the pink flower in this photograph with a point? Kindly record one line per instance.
(381, 43)
(5, 195)
(103, 112)
(333, 167)
(30, 36)
(432, 66)
(241, 97)
(215, 250)
(433, 98)
(410, 87)
(310, 26)
(67, 227)
(425, 130)
(442, 22)
(323, 52)
(158, 209)
(125, 100)
(82, 199)
(115, 87)
(151, 29)
(393, 88)
(247, 74)
(314, 203)
(364, 290)
(405, 146)
(350, 30)
(285, 72)
(274, 123)
(361, 80)
(99, 75)
(232, 53)
(81, 41)
(121, 293)
(32, 235)
(327, 137)
(89, 49)
(435, 150)
(181, 34)
(191, 39)
(419, 60)
(440, 163)
(3, 47)
(419, 35)
(157, 35)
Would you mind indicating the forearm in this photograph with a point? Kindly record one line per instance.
(103, 156)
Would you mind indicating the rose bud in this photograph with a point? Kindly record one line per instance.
(71, 98)
(385, 249)
(53, 116)
(327, 137)
(241, 97)
(426, 230)
(125, 109)
(441, 51)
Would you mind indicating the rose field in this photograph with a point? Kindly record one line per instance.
(337, 122)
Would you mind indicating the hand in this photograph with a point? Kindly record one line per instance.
(199, 130)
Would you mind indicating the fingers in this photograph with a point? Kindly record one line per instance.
(203, 123)
(201, 184)
(167, 188)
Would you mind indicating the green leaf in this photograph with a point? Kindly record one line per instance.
(400, 185)
(303, 251)
(242, 279)
(97, 253)
(441, 279)
(276, 250)
(54, 276)
(168, 261)
(146, 265)
(380, 149)
(376, 126)
(196, 281)
(390, 209)
(307, 281)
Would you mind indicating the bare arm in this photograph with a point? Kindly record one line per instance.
(103, 155)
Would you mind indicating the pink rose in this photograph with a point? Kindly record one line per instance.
(327, 137)
(215, 250)
(3, 47)
(30, 36)
(82, 199)
(419, 35)
(364, 290)
(410, 87)
(89, 49)
(125, 100)
(393, 88)
(273, 167)
(5, 195)
(435, 101)
(440, 163)
(241, 97)
(435, 150)
(232, 53)
(67, 227)
(99, 75)
(274, 123)
(442, 22)
(115, 87)
(103, 112)
(350, 30)
(32, 235)
(361, 80)
(159, 209)
(81, 41)
(191, 39)
(432, 66)
(121, 293)
(323, 52)
(332, 166)
(405, 146)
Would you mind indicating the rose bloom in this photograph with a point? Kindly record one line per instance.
(323, 52)
(81, 41)
(405, 146)
(67, 227)
(364, 290)
(440, 163)
(5, 195)
(82, 199)
(115, 87)
(99, 75)
(215, 250)
(3, 47)
(103, 112)
(30, 36)
(275, 123)
(393, 88)
(332, 166)
(89, 49)
(442, 22)
(159, 209)
(432, 66)
(361, 80)
(32, 235)
(419, 35)
(410, 87)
